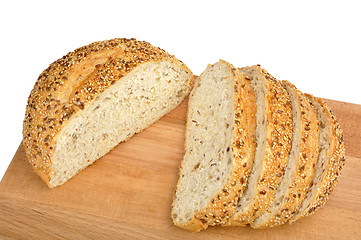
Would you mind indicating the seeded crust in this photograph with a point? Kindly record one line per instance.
(306, 156)
(73, 81)
(278, 145)
(224, 203)
(335, 163)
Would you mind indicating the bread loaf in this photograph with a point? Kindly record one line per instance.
(289, 143)
(95, 97)
(273, 138)
(300, 165)
(219, 150)
(258, 151)
(330, 160)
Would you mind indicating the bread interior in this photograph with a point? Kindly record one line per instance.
(133, 103)
(208, 152)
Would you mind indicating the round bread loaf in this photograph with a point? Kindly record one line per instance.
(91, 99)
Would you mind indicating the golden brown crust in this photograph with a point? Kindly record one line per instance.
(308, 155)
(334, 166)
(193, 225)
(68, 84)
(224, 203)
(278, 144)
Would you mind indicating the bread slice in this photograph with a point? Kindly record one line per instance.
(90, 100)
(330, 160)
(219, 149)
(273, 138)
(301, 162)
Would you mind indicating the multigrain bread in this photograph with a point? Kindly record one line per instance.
(330, 160)
(91, 99)
(295, 159)
(301, 162)
(219, 149)
(273, 139)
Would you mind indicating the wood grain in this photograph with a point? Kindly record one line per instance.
(128, 193)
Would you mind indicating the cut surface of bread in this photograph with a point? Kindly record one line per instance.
(127, 107)
(273, 138)
(92, 99)
(219, 148)
(330, 161)
(301, 162)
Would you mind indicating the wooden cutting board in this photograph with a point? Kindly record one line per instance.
(128, 193)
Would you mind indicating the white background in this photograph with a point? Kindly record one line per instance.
(314, 44)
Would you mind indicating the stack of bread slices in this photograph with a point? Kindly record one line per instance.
(258, 151)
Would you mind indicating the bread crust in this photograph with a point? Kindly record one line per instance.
(223, 204)
(335, 164)
(307, 158)
(278, 144)
(69, 84)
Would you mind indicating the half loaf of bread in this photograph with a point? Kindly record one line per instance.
(219, 149)
(95, 97)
